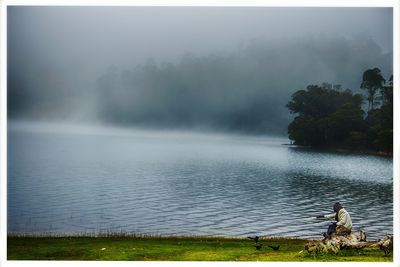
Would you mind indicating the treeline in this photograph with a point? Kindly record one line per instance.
(330, 117)
(243, 91)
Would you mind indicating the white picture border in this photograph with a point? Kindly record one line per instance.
(196, 3)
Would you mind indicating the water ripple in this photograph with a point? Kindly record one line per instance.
(60, 183)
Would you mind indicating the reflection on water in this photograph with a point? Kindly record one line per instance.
(172, 183)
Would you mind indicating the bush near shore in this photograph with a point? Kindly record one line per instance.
(173, 249)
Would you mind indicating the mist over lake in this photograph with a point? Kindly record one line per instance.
(97, 180)
(227, 69)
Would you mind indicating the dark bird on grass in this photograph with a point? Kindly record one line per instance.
(258, 246)
(255, 238)
(275, 247)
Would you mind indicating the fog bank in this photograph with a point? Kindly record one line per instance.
(226, 69)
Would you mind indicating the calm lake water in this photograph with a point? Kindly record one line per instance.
(90, 180)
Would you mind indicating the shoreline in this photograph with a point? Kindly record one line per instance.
(151, 236)
(177, 248)
(163, 237)
(343, 151)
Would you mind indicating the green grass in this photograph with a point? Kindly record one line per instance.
(172, 249)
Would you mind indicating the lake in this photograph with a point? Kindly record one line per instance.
(65, 179)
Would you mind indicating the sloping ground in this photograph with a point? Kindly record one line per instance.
(175, 249)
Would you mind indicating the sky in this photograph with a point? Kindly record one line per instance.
(226, 68)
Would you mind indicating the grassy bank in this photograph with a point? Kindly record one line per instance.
(172, 249)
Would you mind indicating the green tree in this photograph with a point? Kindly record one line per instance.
(345, 120)
(372, 81)
(380, 121)
(326, 115)
(321, 101)
(306, 131)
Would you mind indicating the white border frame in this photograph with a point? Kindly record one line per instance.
(196, 3)
(210, 3)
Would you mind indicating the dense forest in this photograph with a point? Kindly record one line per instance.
(330, 117)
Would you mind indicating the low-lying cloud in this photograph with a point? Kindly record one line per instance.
(243, 89)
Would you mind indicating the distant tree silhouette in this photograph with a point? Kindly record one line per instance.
(327, 116)
(372, 81)
(380, 121)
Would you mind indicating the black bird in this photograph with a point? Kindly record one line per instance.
(255, 239)
(275, 247)
(258, 246)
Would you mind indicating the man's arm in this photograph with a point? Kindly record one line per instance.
(327, 216)
(330, 216)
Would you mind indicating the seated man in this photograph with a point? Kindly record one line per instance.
(343, 224)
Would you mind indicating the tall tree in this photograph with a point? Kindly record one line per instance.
(372, 81)
(326, 116)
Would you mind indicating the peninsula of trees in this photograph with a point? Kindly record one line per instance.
(330, 117)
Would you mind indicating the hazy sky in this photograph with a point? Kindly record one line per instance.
(129, 35)
(58, 55)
